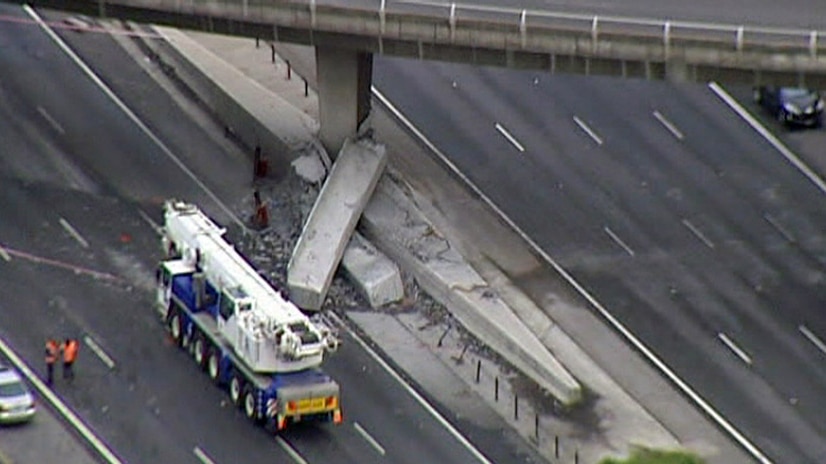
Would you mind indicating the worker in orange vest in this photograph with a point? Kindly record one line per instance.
(69, 348)
(52, 351)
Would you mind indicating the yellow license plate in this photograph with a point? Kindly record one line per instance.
(311, 405)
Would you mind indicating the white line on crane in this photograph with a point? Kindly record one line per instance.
(510, 137)
(99, 351)
(733, 347)
(668, 125)
(619, 241)
(813, 338)
(698, 233)
(129, 113)
(780, 228)
(290, 450)
(50, 120)
(46, 393)
(202, 456)
(588, 130)
(4, 254)
(74, 233)
(373, 442)
(416, 396)
(681, 384)
(774, 141)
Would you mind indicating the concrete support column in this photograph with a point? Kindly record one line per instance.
(344, 80)
(676, 70)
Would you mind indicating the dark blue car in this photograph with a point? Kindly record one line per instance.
(792, 106)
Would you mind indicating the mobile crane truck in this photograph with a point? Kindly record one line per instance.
(244, 333)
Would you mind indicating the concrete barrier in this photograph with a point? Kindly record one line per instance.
(332, 221)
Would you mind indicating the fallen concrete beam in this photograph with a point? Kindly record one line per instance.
(372, 272)
(332, 221)
(395, 225)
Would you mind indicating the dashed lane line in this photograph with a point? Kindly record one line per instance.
(202, 456)
(73, 419)
(373, 442)
(52, 121)
(4, 254)
(92, 344)
(585, 128)
(510, 137)
(816, 341)
(668, 125)
(74, 233)
(290, 450)
(733, 347)
(618, 240)
(698, 233)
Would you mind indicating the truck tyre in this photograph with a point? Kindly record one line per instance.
(214, 366)
(250, 404)
(199, 350)
(236, 389)
(175, 326)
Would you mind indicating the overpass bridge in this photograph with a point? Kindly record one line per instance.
(346, 34)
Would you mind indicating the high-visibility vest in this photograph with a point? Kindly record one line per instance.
(51, 351)
(70, 351)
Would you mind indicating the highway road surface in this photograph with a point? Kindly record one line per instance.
(88, 153)
(698, 234)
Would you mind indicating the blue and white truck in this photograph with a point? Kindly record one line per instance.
(240, 330)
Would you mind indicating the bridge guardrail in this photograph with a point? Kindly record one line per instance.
(456, 18)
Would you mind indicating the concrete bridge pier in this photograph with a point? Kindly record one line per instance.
(345, 77)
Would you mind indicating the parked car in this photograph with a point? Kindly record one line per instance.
(792, 106)
(16, 401)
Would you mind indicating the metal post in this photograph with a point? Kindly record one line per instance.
(556, 446)
(452, 22)
(536, 427)
(289, 70)
(441, 339)
(478, 369)
(576, 456)
(306, 89)
(272, 53)
(496, 389)
(515, 407)
(257, 44)
(594, 33)
(739, 41)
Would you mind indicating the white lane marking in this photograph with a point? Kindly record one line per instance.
(698, 233)
(774, 141)
(733, 347)
(783, 231)
(202, 456)
(45, 392)
(813, 338)
(668, 125)
(50, 120)
(618, 240)
(290, 450)
(4, 254)
(510, 137)
(588, 130)
(416, 396)
(652, 357)
(74, 233)
(99, 351)
(155, 226)
(369, 438)
(129, 113)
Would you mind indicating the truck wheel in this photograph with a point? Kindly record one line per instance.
(236, 388)
(175, 327)
(250, 405)
(199, 350)
(214, 366)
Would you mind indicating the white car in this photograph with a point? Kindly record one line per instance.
(16, 401)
